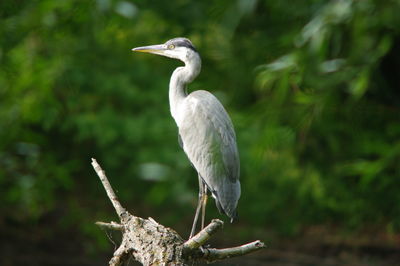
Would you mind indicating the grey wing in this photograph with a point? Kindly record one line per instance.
(209, 141)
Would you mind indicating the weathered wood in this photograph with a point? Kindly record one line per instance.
(151, 243)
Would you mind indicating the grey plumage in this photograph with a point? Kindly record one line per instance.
(210, 143)
(206, 132)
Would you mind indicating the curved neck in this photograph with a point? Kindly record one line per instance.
(178, 84)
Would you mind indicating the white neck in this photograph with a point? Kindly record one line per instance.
(178, 83)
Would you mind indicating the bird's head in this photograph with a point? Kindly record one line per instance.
(178, 48)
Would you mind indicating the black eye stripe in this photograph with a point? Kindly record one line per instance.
(181, 42)
(187, 45)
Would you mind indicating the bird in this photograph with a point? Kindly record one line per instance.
(205, 131)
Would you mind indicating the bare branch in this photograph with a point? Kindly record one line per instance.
(110, 192)
(212, 254)
(112, 226)
(202, 237)
(151, 243)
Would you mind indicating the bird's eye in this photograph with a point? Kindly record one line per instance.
(171, 46)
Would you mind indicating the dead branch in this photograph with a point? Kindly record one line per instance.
(201, 237)
(107, 186)
(153, 244)
(112, 226)
(213, 254)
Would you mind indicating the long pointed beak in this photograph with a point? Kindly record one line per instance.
(153, 49)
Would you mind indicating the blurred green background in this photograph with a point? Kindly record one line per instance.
(313, 89)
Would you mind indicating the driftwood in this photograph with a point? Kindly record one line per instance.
(151, 243)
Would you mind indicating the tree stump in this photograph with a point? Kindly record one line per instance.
(151, 243)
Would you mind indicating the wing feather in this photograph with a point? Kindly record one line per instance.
(209, 141)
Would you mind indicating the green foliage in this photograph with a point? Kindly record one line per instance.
(328, 90)
(312, 87)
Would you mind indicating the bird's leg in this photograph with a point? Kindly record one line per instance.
(203, 206)
(196, 216)
(199, 204)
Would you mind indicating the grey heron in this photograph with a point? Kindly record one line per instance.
(206, 132)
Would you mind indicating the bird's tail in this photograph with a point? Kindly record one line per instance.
(221, 210)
